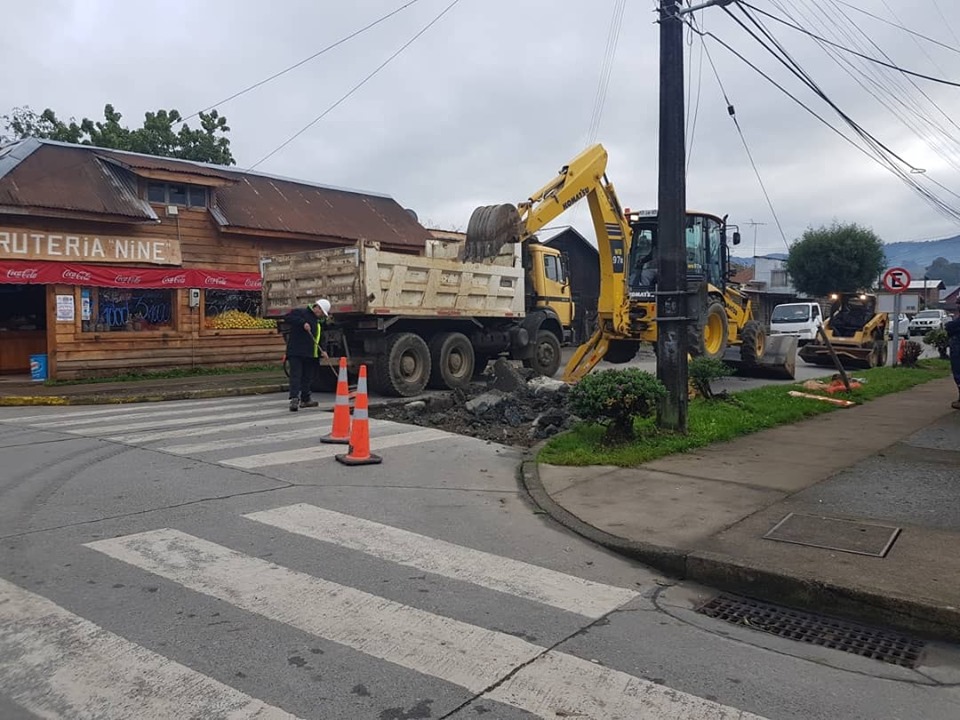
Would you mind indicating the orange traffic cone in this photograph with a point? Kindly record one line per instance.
(901, 349)
(340, 433)
(360, 432)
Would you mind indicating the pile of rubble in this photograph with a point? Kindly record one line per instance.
(508, 405)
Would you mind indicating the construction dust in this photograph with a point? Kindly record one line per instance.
(506, 405)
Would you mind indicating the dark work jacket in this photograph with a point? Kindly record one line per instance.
(301, 343)
(953, 331)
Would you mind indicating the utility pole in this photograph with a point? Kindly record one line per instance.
(672, 201)
(672, 291)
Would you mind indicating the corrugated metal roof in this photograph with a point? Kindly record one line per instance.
(71, 178)
(59, 176)
(263, 203)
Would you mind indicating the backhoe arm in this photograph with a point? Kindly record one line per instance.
(492, 226)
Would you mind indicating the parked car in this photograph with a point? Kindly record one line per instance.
(927, 320)
(903, 325)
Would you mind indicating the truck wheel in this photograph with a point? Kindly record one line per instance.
(754, 340)
(404, 368)
(324, 379)
(451, 361)
(710, 340)
(546, 354)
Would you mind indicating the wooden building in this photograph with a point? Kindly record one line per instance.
(114, 262)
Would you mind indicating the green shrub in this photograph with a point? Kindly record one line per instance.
(615, 398)
(911, 353)
(703, 370)
(939, 339)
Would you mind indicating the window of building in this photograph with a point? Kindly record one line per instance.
(234, 310)
(177, 194)
(778, 278)
(128, 310)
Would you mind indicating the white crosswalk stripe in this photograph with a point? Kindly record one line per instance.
(449, 560)
(319, 452)
(76, 412)
(245, 423)
(58, 665)
(499, 666)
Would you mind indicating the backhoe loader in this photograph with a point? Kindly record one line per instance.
(627, 245)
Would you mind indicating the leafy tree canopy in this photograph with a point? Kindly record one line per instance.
(839, 258)
(156, 136)
(943, 269)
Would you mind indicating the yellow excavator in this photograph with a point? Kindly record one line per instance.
(626, 314)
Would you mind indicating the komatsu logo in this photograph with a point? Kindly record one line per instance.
(579, 196)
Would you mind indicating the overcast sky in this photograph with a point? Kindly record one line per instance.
(493, 99)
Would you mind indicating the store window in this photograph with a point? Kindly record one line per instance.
(126, 310)
(234, 310)
(177, 194)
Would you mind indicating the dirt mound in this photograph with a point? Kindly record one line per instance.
(508, 406)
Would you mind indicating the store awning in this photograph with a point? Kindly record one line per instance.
(24, 272)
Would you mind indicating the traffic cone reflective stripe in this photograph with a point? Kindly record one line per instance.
(340, 433)
(360, 429)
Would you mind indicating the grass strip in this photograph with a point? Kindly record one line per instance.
(742, 413)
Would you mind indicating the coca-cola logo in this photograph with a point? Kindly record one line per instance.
(216, 280)
(127, 279)
(77, 275)
(175, 280)
(25, 274)
(253, 283)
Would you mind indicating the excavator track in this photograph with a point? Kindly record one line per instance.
(489, 229)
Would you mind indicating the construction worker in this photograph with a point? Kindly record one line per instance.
(953, 332)
(303, 350)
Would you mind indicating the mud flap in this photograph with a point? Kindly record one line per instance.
(779, 361)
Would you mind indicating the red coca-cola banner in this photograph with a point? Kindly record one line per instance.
(50, 273)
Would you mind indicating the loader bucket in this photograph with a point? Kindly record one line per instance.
(778, 362)
(489, 229)
(850, 356)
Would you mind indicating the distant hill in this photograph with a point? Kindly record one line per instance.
(914, 255)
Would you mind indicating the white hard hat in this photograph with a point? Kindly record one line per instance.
(324, 305)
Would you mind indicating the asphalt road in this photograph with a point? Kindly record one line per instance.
(210, 559)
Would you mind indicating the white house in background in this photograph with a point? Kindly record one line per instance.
(770, 286)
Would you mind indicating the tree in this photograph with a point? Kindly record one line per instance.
(943, 269)
(208, 143)
(841, 258)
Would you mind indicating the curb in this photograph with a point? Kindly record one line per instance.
(161, 396)
(667, 559)
(716, 571)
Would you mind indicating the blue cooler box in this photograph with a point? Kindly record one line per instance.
(38, 367)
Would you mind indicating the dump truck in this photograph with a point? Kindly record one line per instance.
(427, 320)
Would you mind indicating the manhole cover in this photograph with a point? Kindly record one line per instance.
(883, 645)
(834, 534)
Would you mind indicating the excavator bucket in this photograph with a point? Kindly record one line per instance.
(489, 229)
(778, 362)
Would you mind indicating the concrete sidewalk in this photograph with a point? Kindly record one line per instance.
(891, 467)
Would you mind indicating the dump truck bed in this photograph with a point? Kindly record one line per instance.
(364, 280)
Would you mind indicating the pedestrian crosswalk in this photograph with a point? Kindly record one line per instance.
(59, 665)
(244, 433)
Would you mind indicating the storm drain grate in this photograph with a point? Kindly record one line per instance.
(883, 645)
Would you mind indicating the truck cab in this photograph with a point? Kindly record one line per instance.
(548, 284)
(800, 319)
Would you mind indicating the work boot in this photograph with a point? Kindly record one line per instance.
(308, 403)
(294, 404)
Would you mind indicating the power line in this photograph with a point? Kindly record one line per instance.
(317, 54)
(733, 115)
(691, 132)
(606, 70)
(356, 87)
(848, 50)
(899, 26)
